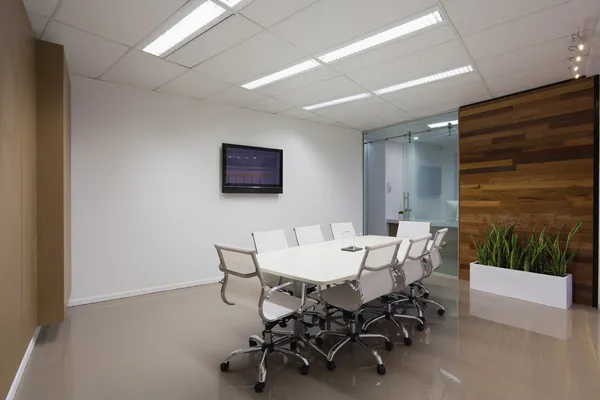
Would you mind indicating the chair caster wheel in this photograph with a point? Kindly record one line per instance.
(225, 366)
(422, 319)
(293, 346)
(441, 311)
(426, 295)
(420, 327)
(407, 341)
(252, 343)
(389, 346)
(381, 369)
(259, 387)
(304, 369)
(319, 340)
(331, 365)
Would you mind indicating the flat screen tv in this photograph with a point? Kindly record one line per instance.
(247, 169)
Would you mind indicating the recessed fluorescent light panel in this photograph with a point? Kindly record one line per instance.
(185, 28)
(443, 124)
(338, 101)
(230, 3)
(286, 73)
(383, 37)
(427, 79)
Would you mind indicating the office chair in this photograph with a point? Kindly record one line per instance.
(274, 307)
(412, 229)
(338, 229)
(308, 235)
(435, 261)
(375, 278)
(411, 250)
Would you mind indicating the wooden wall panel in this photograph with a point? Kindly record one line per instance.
(17, 189)
(529, 158)
(53, 153)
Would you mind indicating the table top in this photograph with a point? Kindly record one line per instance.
(320, 263)
(438, 223)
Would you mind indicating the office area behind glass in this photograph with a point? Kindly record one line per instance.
(411, 174)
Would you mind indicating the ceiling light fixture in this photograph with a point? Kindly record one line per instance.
(443, 124)
(580, 46)
(578, 58)
(338, 101)
(576, 68)
(383, 37)
(185, 28)
(576, 76)
(230, 3)
(286, 73)
(427, 79)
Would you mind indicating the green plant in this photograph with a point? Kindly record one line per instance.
(559, 259)
(538, 253)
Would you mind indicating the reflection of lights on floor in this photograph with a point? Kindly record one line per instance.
(449, 375)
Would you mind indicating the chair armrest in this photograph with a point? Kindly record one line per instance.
(277, 288)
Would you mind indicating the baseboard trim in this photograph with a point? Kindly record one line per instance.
(447, 276)
(21, 371)
(141, 292)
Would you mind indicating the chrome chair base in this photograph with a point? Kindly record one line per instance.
(352, 336)
(417, 300)
(267, 346)
(389, 314)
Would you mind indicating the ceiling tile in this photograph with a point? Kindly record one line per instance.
(235, 96)
(540, 27)
(470, 16)
(124, 21)
(269, 105)
(451, 93)
(396, 49)
(301, 113)
(529, 79)
(194, 84)
(323, 91)
(44, 8)
(229, 32)
(87, 55)
(143, 70)
(260, 55)
(333, 22)
(269, 12)
(365, 114)
(436, 59)
(526, 58)
(38, 23)
(298, 81)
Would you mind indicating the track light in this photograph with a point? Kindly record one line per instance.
(576, 68)
(578, 58)
(580, 47)
(576, 76)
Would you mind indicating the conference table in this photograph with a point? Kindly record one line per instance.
(318, 264)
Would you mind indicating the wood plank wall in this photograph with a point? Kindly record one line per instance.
(529, 158)
(18, 318)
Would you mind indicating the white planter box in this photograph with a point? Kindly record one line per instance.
(543, 289)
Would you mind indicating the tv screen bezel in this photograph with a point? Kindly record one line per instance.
(228, 188)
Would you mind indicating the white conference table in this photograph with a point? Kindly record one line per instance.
(319, 263)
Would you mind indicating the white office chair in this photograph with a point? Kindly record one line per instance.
(417, 268)
(410, 250)
(270, 241)
(435, 261)
(375, 278)
(412, 229)
(308, 235)
(338, 229)
(274, 307)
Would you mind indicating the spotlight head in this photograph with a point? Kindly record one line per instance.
(580, 46)
(576, 76)
(578, 58)
(576, 68)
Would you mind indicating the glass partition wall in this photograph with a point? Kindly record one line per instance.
(411, 174)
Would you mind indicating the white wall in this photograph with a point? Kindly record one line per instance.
(375, 188)
(394, 172)
(146, 200)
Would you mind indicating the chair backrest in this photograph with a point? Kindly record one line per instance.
(413, 267)
(435, 247)
(238, 262)
(308, 235)
(338, 229)
(270, 241)
(412, 229)
(376, 273)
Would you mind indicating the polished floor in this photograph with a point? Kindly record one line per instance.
(169, 346)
